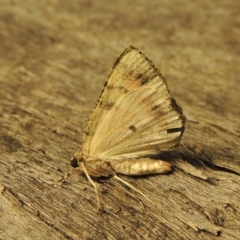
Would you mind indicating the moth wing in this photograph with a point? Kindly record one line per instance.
(142, 122)
(131, 71)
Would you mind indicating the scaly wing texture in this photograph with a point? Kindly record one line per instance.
(142, 122)
(130, 71)
(135, 115)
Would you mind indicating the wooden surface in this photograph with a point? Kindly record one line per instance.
(54, 58)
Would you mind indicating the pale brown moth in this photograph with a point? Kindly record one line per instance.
(135, 118)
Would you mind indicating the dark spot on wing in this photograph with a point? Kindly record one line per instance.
(157, 111)
(139, 76)
(172, 130)
(109, 87)
(144, 80)
(155, 107)
(87, 133)
(133, 128)
(109, 105)
(130, 73)
(100, 103)
(122, 89)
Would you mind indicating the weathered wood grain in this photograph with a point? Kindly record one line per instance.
(54, 58)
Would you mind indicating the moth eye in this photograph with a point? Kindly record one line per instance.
(74, 163)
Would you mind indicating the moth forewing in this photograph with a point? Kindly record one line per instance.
(135, 117)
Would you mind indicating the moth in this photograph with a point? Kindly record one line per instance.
(134, 119)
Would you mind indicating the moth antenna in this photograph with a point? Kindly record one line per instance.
(132, 187)
(93, 184)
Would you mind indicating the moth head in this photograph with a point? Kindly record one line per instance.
(75, 161)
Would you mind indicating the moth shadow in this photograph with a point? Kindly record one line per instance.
(181, 154)
(193, 154)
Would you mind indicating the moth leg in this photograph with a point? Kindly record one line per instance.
(132, 187)
(93, 184)
(81, 170)
(142, 166)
